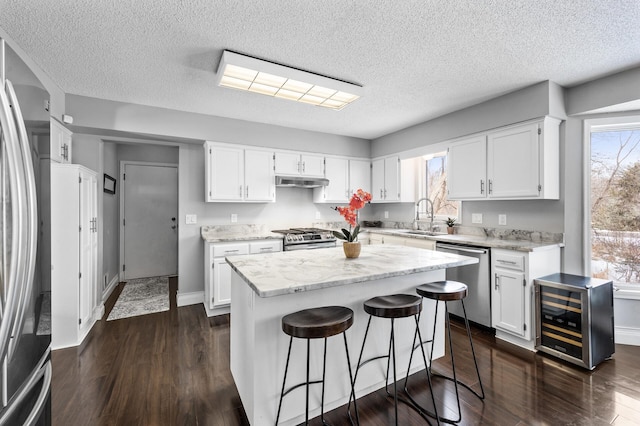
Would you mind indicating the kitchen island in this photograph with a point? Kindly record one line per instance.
(266, 287)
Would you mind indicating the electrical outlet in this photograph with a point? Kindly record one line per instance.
(386, 215)
(476, 218)
(234, 218)
(318, 215)
(190, 219)
(502, 219)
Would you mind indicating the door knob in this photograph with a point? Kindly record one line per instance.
(173, 227)
(173, 219)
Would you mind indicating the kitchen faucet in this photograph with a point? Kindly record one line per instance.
(418, 212)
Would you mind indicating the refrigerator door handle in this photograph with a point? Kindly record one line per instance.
(41, 372)
(30, 239)
(14, 280)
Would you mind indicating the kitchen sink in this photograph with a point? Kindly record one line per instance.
(431, 233)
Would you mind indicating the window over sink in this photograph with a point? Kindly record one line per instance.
(433, 185)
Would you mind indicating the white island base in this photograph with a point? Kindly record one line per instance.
(259, 346)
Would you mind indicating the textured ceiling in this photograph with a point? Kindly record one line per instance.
(416, 59)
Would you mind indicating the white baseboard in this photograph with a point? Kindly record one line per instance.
(112, 285)
(627, 336)
(98, 312)
(186, 299)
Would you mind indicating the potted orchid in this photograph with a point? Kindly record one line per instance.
(350, 213)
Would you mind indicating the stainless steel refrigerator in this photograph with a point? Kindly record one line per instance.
(25, 373)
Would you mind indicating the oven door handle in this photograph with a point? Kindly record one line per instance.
(462, 249)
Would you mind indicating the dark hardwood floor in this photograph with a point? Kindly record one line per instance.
(172, 368)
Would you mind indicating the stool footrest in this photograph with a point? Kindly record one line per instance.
(294, 387)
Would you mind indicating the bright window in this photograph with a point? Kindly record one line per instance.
(433, 185)
(615, 203)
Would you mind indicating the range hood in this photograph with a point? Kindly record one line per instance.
(301, 182)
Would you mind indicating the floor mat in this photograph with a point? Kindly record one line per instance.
(140, 297)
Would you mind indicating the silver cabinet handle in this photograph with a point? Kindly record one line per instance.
(240, 191)
(385, 193)
(266, 248)
(508, 262)
(481, 186)
(490, 186)
(497, 285)
(231, 251)
(246, 191)
(381, 196)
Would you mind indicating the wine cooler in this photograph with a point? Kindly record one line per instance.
(575, 318)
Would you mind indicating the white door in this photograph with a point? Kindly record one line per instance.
(337, 172)
(88, 246)
(392, 179)
(377, 180)
(467, 169)
(359, 175)
(150, 220)
(259, 184)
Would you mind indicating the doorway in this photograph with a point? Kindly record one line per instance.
(148, 225)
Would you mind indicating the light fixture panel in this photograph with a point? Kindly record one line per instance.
(242, 72)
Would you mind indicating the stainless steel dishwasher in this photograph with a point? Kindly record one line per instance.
(476, 277)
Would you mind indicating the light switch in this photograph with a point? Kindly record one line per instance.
(318, 215)
(234, 218)
(502, 219)
(476, 218)
(191, 219)
(386, 215)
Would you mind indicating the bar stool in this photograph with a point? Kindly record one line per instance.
(316, 323)
(447, 291)
(392, 307)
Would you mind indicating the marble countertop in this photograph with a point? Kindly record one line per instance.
(476, 240)
(227, 233)
(274, 274)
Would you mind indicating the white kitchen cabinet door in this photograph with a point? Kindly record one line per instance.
(60, 143)
(221, 283)
(337, 171)
(359, 175)
(467, 169)
(225, 173)
(508, 302)
(74, 253)
(288, 163)
(392, 179)
(377, 180)
(420, 243)
(259, 178)
(297, 164)
(312, 165)
(513, 163)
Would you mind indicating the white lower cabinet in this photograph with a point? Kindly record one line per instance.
(74, 253)
(217, 272)
(512, 276)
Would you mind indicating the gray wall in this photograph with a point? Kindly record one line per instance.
(110, 215)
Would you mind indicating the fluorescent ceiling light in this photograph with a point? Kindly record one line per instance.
(255, 75)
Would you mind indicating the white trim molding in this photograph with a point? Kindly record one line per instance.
(627, 336)
(186, 299)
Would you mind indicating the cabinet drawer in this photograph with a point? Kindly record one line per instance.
(230, 249)
(265, 246)
(509, 261)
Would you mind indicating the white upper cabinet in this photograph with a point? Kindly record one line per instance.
(514, 162)
(337, 171)
(238, 174)
(467, 168)
(60, 140)
(345, 177)
(297, 164)
(258, 176)
(393, 180)
(359, 175)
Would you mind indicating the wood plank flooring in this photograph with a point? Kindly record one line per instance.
(172, 368)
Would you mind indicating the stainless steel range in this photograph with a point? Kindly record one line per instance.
(306, 238)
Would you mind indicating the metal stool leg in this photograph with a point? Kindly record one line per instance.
(473, 352)
(286, 369)
(352, 380)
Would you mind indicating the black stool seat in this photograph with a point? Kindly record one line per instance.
(317, 323)
(394, 306)
(443, 290)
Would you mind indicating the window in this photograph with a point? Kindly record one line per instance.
(433, 185)
(615, 203)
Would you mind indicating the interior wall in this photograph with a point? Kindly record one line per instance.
(110, 218)
(102, 114)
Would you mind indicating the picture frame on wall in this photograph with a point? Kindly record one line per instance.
(109, 185)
